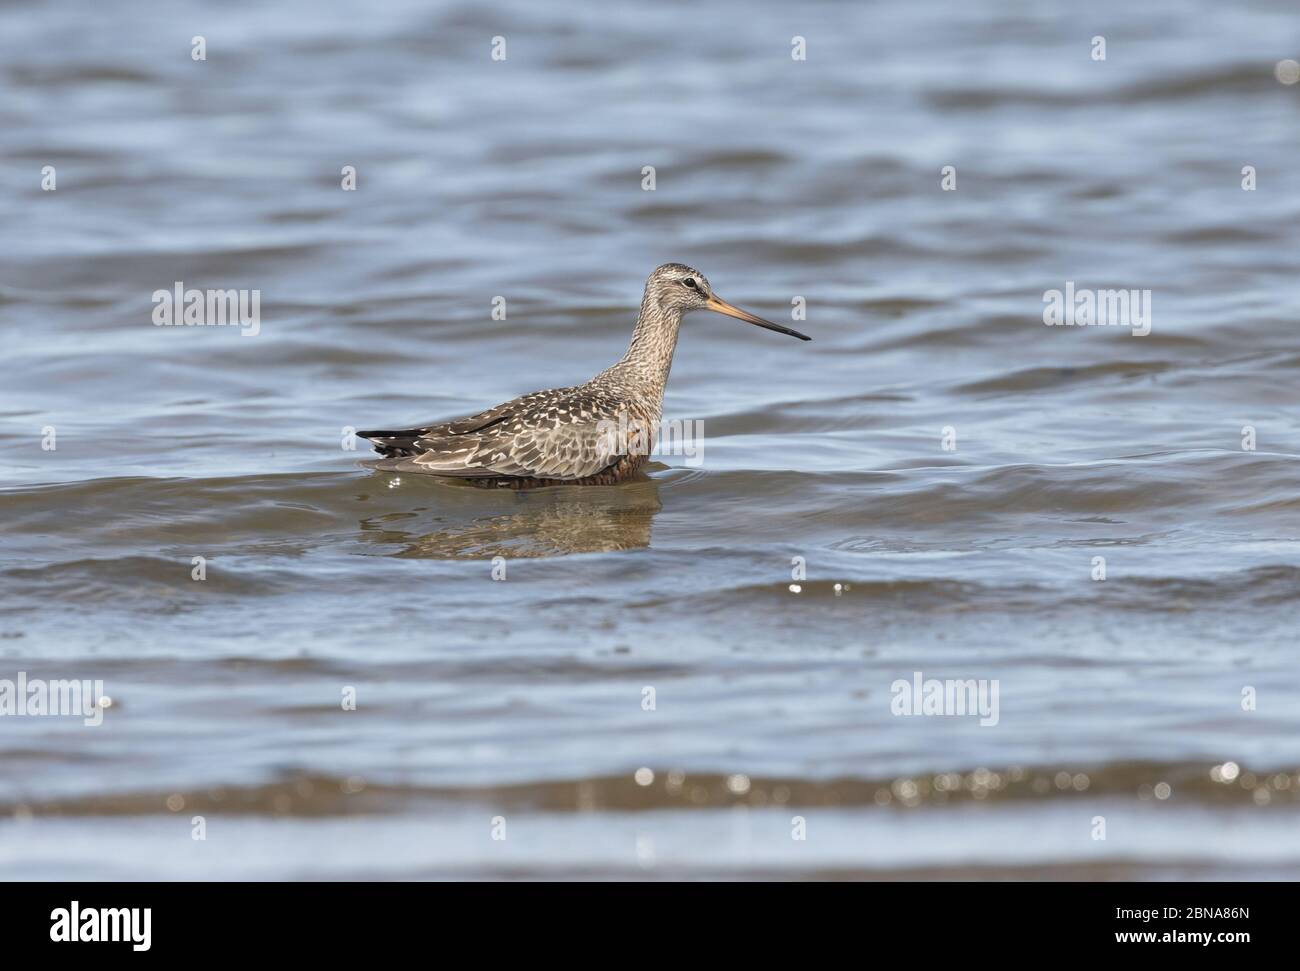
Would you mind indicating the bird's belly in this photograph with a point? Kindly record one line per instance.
(620, 471)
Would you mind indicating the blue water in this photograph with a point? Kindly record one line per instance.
(523, 699)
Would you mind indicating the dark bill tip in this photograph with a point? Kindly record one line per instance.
(720, 306)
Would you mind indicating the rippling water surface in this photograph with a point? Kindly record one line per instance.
(525, 698)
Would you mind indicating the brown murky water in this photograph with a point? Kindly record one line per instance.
(518, 707)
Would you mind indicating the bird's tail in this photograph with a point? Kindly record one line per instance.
(394, 443)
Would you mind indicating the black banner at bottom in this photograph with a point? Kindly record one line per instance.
(337, 920)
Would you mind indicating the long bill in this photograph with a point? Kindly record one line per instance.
(720, 306)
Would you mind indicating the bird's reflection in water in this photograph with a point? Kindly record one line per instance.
(543, 522)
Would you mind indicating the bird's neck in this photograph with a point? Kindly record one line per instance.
(650, 355)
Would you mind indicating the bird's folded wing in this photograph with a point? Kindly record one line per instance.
(561, 451)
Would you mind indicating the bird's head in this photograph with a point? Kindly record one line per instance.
(677, 287)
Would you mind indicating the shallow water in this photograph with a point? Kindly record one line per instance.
(522, 698)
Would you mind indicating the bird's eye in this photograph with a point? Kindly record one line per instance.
(689, 282)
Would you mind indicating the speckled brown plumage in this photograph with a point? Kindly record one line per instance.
(589, 434)
(624, 468)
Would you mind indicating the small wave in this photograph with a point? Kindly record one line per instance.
(664, 788)
(1239, 78)
(1055, 378)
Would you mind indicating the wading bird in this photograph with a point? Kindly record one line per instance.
(589, 434)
